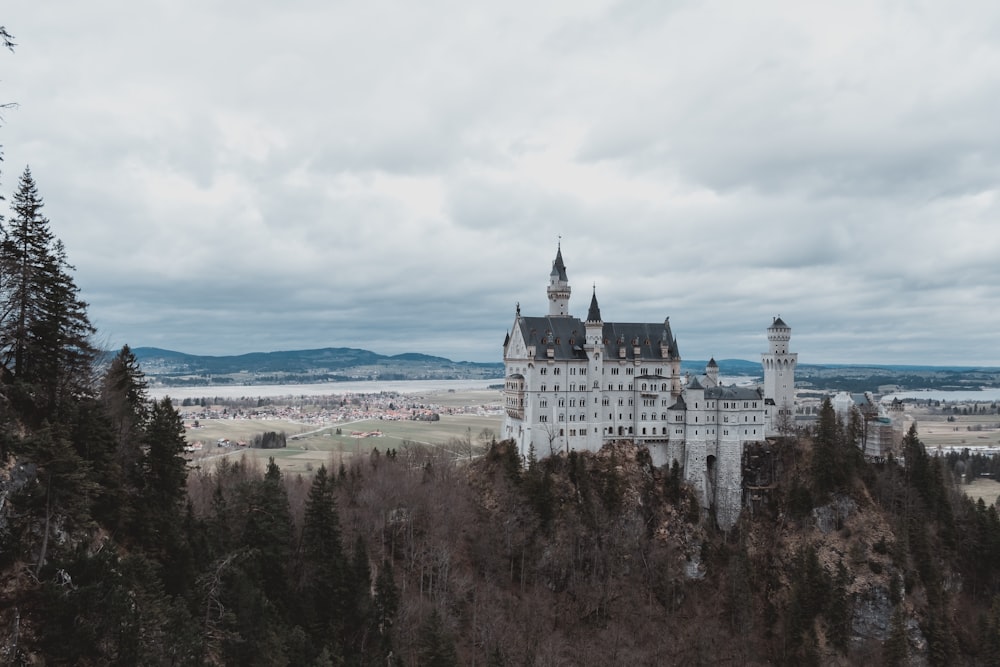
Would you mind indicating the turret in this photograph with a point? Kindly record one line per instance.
(779, 374)
(594, 324)
(712, 372)
(558, 289)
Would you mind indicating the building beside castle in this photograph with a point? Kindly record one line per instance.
(573, 384)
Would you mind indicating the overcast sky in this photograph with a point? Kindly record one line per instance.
(232, 177)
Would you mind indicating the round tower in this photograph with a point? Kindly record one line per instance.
(779, 369)
(558, 289)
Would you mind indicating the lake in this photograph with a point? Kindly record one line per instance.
(320, 388)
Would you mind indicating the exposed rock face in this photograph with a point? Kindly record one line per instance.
(831, 517)
(13, 478)
(872, 615)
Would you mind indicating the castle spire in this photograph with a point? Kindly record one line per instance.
(594, 314)
(558, 289)
(558, 267)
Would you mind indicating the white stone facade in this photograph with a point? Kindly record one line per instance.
(575, 384)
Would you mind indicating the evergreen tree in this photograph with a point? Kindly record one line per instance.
(324, 568)
(160, 523)
(45, 347)
(386, 605)
(64, 488)
(828, 456)
(435, 645)
(123, 393)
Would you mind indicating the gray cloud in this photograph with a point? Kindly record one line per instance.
(396, 177)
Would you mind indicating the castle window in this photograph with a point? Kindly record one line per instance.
(643, 416)
(543, 403)
(628, 371)
(555, 371)
(543, 418)
(541, 387)
(583, 371)
(653, 416)
(572, 402)
(543, 371)
(596, 385)
(562, 417)
(644, 431)
(621, 401)
(555, 388)
(583, 402)
(572, 418)
(572, 387)
(663, 387)
(614, 371)
(605, 401)
(572, 371)
(572, 432)
(560, 431)
(562, 402)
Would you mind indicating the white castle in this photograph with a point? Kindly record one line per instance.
(574, 384)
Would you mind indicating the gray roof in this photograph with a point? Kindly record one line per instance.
(694, 384)
(734, 393)
(778, 324)
(594, 314)
(567, 336)
(712, 364)
(558, 268)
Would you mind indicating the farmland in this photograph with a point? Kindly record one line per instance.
(319, 432)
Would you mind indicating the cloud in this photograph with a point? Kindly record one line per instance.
(396, 177)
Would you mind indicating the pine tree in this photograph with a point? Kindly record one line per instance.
(386, 605)
(160, 523)
(323, 563)
(123, 393)
(64, 489)
(436, 647)
(45, 347)
(828, 456)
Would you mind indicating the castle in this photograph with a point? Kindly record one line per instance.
(574, 384)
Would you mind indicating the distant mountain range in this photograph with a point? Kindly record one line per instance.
(338, 364)
(331, 364)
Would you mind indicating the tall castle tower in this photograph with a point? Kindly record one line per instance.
(558, 288)
(779, 368)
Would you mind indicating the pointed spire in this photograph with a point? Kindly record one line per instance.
(594, 314)
(558, 267)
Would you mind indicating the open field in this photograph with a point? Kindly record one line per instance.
(966, 431)
(985, 488)
(310, 445)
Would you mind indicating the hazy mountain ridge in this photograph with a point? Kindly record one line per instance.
(333, 364)
(318, 365)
